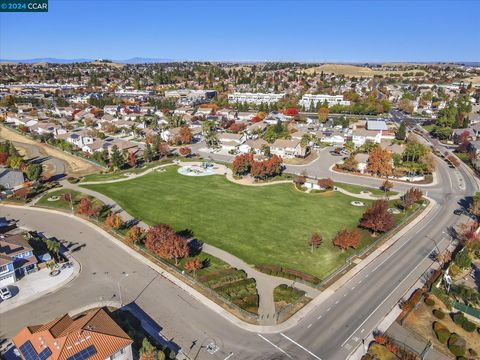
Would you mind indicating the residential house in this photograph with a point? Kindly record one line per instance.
(253, 146)
(230, 142)
(93, 335)
(471, 134)
(169, 135)
(23, 120)
(275, 117)
(288, 148)
(79, 138)
(245, 116)
(17, 258)
(203, 112)
(474, 147)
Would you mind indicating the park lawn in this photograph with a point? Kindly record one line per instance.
(61, 204)
(115, 175)
(357, 189)
(261, 225)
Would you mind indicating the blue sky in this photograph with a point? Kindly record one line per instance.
(342, 31)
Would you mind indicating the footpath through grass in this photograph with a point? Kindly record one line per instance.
(261, 225)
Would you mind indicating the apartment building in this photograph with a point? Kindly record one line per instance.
(308, 99)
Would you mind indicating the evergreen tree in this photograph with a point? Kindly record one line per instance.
(116, 158)
(401, 133)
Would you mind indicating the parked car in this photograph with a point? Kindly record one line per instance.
(458, 211)
(5, 293)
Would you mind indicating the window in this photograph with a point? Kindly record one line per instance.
(3, 268)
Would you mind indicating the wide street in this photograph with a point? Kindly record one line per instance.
(332, 330)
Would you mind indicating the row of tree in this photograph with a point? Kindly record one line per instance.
(245, 164)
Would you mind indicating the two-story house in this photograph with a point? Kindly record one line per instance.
(15, 251)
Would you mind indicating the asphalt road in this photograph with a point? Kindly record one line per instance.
(330, 331)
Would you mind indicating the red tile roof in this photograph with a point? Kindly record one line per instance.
(66, 336)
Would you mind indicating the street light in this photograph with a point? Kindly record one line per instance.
(120, 289)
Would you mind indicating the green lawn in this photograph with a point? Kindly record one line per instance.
(261, 225)
(115, 175)
(61, 204)
(356, 189)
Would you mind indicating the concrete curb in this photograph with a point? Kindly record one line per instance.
(433, 183)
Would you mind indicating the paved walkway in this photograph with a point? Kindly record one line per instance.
(265, 283)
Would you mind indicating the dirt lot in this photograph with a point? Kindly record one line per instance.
(420, 322)
(73, 165)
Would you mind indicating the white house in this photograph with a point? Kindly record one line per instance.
(79, 139)
(230, 142)
(275, 117)
(253, 146)
(287, 148)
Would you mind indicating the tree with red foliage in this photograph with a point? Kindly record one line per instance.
(85, 207)
(163, 149)
(345, 239)
(236, 128)
(3, 158)
(315, 241)
(242, 164)
(464, 137)
(158, 234)
(185, 135)
(256, 119)
(377, 218)
(290, 112)
(174, 247)
(274, 166)
(132, 159)
(410, 197)
(193, 265)
(185, 151)
(326, 183)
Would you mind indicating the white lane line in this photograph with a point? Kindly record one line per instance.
(344, 294)
(318, 318)
(275, 346)
(336, 302)
(353, 288)
(329, 309)
(300, 346)
(309, 326)
(228, 357)
(384, 300)
(360, 281)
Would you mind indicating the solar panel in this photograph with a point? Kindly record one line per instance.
(83, 354)
(45, 354)
(28, 351)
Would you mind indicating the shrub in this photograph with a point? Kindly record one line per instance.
(456, 345)
(459, 318)
(469, 326)
(439, 314)
(441, 332)
(429, 302)
(472, 352)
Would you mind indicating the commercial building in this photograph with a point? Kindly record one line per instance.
(191, 97)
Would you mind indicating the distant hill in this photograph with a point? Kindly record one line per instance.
(341, 69)
(135, 60)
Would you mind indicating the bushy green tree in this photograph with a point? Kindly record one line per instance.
(33, 171)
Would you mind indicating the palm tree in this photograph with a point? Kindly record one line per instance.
(53, 246)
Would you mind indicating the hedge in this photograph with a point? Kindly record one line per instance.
(429, 301)
(456, 345)
(469, 326)
(459, 318)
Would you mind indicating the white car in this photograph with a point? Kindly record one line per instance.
(5, 293)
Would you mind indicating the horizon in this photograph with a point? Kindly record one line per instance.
(349, 32)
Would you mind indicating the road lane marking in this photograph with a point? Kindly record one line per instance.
(353, 288)
(300, 346)
(329, 309)
(309, 326)
(384, 300)
(228, 357)
(275, 346)
(336, 302)
(318, 318)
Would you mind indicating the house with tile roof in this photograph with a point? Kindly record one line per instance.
(16, 258)
(93, 335)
